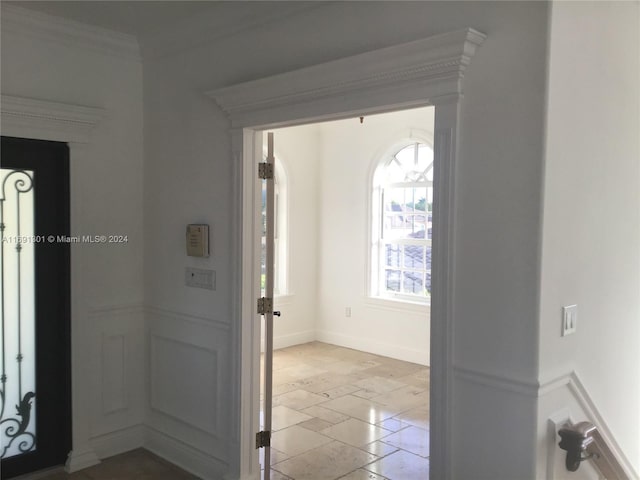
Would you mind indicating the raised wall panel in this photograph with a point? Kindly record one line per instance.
(189, 399)
(117, 385)
(113, 373)
(184, 382)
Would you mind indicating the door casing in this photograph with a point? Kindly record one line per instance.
(423, 73)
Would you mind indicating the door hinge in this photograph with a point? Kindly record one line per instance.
(265, 305)
(263, 439)
(265, 170)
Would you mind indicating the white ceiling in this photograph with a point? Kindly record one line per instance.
(138, 18)
(145, 18)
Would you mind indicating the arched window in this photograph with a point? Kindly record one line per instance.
(402, 216)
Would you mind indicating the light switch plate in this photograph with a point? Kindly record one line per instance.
(200, 278)
(569, 319)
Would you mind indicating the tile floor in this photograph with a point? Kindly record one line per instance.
(137, 464)
(338, 414)
(344, 414)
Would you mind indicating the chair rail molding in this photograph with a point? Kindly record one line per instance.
(571, 381)
(419, 73)
(45, 120)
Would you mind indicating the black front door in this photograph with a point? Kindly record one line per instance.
(35, 388)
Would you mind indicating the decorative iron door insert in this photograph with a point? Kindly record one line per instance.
(35, 413)
(18, 316)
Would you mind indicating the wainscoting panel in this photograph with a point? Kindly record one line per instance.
(117, 370)
(189, 397)
(184, 382)
(114, 388)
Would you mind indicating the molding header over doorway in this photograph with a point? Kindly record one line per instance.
(429, 68)
(31, 118)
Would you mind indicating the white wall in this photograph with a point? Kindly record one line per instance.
(46, 60)
(298, 149)
(188, 173)
(591, 236)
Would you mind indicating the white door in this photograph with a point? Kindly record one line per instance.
(265, 303)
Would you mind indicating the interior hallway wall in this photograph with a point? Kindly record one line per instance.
(591, 236)
(299, 151)
(70, 63)
(189, 175)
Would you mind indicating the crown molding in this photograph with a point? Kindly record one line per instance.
(31, 118)
(23, 21)
(430, 67)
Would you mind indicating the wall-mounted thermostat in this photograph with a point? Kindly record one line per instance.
(198, 240)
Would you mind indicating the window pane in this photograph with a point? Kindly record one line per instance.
(392, 280)
(414, 256)
(392, 255)
(427, 281)
(409, 226)
(412, 282)
(394, 172)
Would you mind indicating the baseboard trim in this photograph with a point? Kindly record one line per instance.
(79, 460)
(120, 441)
(420, 357)
(284, 341)
(184, 456)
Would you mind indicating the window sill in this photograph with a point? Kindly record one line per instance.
(398, 304)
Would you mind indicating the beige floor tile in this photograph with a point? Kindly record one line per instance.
(368, 394)
(401, 465)
(391, 368)
(418, 417)
(275, 475)
(412, 439)
(285, 388)
(283, 417)
(419, 379)
(327, 381)
(379, 448)
(328, 462)
(298, 399)
(346, 367)
(276, 456)
(325, 414)
(340, 391)
(296, 440)
(315, 424)
(362, 474)
(393, 424)
(300, 370)
(403, 399)
(355, 432)
(362, 409)
(379, 384)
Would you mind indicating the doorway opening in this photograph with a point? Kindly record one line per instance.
(352, 229)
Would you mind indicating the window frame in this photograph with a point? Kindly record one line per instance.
(376, 243)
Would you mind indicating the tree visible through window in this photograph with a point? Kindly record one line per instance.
(403, 214)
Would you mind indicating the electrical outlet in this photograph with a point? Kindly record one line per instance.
(347, 311)
(569, 319)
